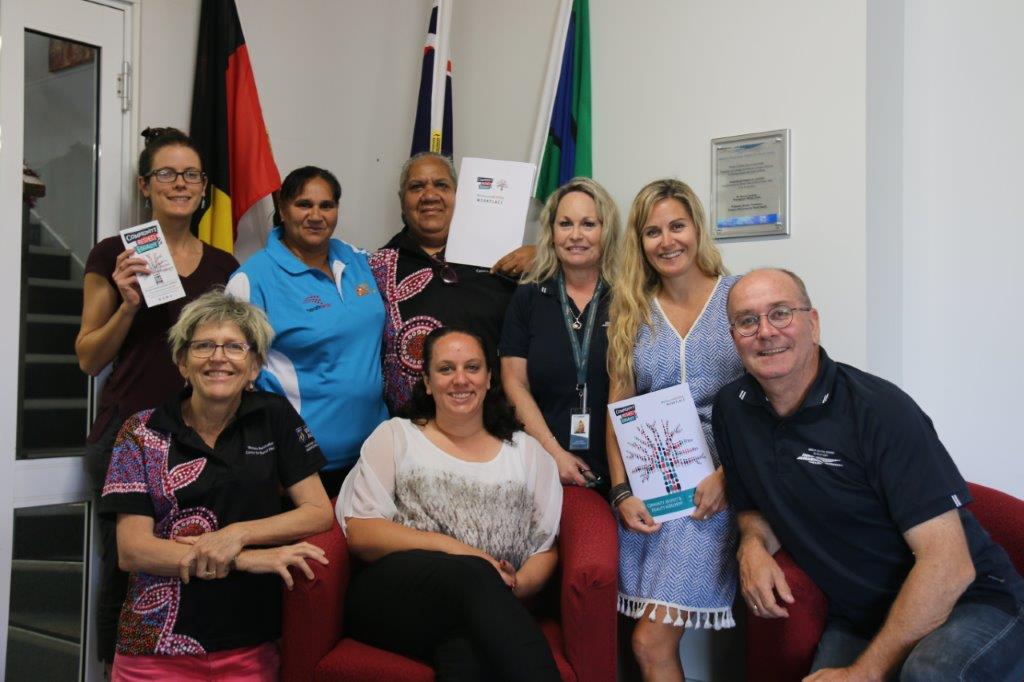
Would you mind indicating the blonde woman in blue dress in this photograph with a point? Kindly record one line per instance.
(671, 327)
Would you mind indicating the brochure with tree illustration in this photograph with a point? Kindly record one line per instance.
(663, 449)
(162, 284)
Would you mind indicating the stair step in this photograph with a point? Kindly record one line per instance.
(54, 380)
(48, 424)
(54, 534)
(46, 318)
(48, 261)
(48, 453)
(51, 333)
(33, 656)
(53, 296)
(56, 404)
(46, 597)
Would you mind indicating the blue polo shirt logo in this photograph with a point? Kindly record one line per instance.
(314, 303)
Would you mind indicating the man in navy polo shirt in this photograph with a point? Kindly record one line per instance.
(846, 472)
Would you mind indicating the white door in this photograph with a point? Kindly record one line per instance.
(63, 119)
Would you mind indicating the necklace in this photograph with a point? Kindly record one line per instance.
(576, 324)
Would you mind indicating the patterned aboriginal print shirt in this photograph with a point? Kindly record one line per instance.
(161, 468)
(418, 301)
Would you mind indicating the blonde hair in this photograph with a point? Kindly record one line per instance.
(545, 264)
(636, 282)
(217, 306)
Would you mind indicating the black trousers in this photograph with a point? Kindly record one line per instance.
(113, 582)
(454, 611)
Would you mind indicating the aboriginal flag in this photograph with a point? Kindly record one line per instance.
(432, 131)
(567, 153)
(227, 125)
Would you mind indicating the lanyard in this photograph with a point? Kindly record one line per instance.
(580, 354)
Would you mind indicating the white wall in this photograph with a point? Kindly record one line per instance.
(962, 230)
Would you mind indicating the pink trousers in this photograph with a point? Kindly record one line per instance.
(251, 664)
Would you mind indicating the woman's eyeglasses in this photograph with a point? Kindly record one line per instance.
(193, 176)
(233, 350)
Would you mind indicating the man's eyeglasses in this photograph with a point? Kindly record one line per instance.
(444, 268)
(779, 317)
(193, 176)
(233, 350)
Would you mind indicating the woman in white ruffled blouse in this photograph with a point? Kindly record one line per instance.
(456, 509)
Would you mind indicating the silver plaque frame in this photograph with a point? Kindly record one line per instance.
(750, 185)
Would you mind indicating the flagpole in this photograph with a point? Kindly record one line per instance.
(442, 56)
(547, 97)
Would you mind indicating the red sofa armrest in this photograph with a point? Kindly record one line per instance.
(782, 650)
(588, 546)
(312, 612)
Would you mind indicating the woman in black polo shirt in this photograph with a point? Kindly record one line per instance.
(200, 522)
(554, 341)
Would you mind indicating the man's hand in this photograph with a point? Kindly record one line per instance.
(762, 582)
(517, 262)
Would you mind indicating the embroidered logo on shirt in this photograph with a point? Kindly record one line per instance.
(820, 457)
(314, 303)
(362, 289)
(264, 449)
(305, 437)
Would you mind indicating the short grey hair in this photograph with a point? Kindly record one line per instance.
(407, 167)
(218, 307)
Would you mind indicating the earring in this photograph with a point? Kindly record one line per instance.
(186, 382)
(147, 203)
(251, 386)
(202, 203)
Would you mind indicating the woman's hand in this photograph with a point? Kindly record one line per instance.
(570, 467)
(710, 495)
(280, 559)
(634, 516)
(127, 268)
(212, 553)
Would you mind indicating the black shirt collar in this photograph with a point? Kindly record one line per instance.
(821, 391)
(167, 417)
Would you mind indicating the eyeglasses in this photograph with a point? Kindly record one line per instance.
(779, 317)
(192, 176)
(233, 350)
(444, 268)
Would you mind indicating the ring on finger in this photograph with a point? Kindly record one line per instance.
(754, 607)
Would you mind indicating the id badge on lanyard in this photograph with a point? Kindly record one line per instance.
(579, 419)
(579, 424)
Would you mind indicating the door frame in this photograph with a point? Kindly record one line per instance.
(30, 483)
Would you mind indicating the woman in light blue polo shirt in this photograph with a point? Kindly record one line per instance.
(328, 316)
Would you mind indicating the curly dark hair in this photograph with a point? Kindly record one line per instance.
(499, 415)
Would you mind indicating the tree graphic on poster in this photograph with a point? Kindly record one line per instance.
(660, 447)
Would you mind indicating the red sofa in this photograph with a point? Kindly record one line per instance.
(782, 650)
(582, 636)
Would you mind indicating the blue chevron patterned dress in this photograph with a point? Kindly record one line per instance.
(688, 566)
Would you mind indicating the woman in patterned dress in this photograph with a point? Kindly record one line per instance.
(670, 326)
(456, 510)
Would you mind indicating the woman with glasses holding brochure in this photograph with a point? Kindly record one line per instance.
(671, 327)
(195, 486)
(328, 317)
(554, 342)
(119, 328)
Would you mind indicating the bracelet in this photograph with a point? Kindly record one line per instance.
(619, 493)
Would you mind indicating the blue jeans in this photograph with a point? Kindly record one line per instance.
(977, 642)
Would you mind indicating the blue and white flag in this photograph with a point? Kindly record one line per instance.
(433, 128)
